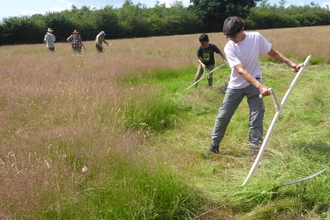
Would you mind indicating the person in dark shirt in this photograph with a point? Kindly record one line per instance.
(205, 55)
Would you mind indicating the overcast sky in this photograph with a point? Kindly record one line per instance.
(29, 7)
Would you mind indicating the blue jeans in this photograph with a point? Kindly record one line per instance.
(231, 102)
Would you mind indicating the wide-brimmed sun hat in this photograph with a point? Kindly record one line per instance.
(75, 32)
(50, 30)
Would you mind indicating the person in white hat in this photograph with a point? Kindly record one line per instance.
(99, 40)
(49, 39)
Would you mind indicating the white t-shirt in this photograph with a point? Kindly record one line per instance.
(246, 52)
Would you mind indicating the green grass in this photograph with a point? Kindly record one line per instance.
(142, 135)
(168, 176)
(134, 191)
(157, 109)
(299, 145)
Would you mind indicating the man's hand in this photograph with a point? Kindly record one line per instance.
(264, 90)
(296, 67)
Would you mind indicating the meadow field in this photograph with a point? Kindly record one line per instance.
(118, 136)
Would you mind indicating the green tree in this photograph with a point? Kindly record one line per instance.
(61, 24)
(264, 4)
(282, 3)
(38, 27)
(3, 39)
(173, 20)
(132, 20)
(214, 12)
(19, 30)
(267, 16)
(82, 21)
(107, 20)
(156, 19)
(181, 21)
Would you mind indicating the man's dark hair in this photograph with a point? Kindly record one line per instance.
(204, 38)
(233, 25)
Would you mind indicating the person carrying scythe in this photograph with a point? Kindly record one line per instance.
(242, 51)
(76, 41)
(205, 58)
(99, 40)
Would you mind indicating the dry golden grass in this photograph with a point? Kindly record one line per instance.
(59, 111)
(299, 42)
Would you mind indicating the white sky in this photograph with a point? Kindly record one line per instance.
(12, 8)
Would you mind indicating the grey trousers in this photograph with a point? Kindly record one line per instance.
(231, 102)
(199, 74)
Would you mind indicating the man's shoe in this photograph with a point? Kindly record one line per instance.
(213, 149)
(255, 149)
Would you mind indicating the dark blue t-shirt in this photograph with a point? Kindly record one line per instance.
(207, 54)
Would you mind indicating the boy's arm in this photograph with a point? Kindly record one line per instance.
(199, 60)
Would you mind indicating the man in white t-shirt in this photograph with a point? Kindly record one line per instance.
(242, 53)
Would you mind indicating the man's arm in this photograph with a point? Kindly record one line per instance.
(105, 42)
(248, 77)
(80, 42)
(280, 57)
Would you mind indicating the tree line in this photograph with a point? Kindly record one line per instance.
(131, 20)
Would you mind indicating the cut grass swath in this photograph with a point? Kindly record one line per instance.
(276, 116)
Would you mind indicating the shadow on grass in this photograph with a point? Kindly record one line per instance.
(318, 149)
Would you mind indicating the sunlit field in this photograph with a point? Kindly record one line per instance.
(117, 135)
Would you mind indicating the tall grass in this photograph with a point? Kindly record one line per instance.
(118, 136)
(130, 190)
